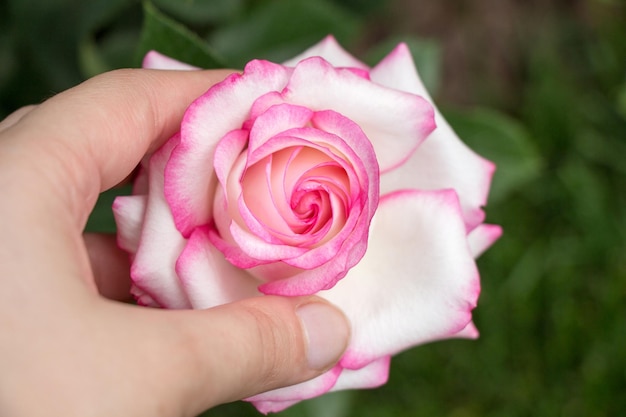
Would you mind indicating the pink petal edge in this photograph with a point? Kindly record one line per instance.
(482, 237)
(281, 398)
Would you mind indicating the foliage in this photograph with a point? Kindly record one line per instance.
(553, 308)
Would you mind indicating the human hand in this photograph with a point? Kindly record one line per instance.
(65, 347)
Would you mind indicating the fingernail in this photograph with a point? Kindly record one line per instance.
(327, 332)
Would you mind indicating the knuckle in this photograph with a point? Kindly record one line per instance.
(274, 344)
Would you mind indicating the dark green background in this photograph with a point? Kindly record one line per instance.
(537, 86)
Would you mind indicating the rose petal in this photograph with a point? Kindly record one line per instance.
(345, 139)
(153, 267)
(332, 52)
(129, 212)
(322, 277)
(275, 120)
(395, 122)
(142, 298)
(189, 177)
(256, 246)
(267, 189)
(334, 123)
(372, 375)
(417, 282)
(267, 407)
(397, 70)
(156, 60)
(442, 161)
(469, 332)
(332, 149)
(482, 237)
(279, 399)
(207, 278)
(259, 249)
(227, 153)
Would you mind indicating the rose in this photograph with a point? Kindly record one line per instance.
(272, 184)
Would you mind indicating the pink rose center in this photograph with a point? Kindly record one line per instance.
(297, 190)
(296, 194)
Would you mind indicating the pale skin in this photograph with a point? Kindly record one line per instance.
(67, 347)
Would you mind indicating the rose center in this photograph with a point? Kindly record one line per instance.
(296, 191)
(308, 206)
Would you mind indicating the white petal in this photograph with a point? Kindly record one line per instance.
(468, 332)
(208, 279)
(279, 399)
(417, 282)
(129, 211)
(372, 375)
(443, 160)
(156, 60)
(481, 238)
(395, 122)
(161, 244)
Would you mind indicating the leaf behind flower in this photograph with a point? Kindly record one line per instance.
(162, 33)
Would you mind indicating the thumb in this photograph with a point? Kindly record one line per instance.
(260, 344)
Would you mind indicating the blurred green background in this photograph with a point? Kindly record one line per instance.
(537, 86)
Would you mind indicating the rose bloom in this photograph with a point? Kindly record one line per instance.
(318, 176)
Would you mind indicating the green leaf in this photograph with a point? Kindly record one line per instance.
(201, 12)
(279, 30)
(502, 140)
(621, 100)
(90, 59)
(171, 38)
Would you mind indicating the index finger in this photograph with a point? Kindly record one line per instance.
(90, 137)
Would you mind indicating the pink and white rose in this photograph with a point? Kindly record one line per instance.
(318, 176)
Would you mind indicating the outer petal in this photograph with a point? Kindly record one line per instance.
(189, 177)
(156, 60)
(469, 332)
(279, 399)
(153, 268)
(442, 161)
(129, 212)
(332, 52)
(481, 238)
(372, 375)
(207, 278)
(395, 122)
(142, 298)
(417, 282)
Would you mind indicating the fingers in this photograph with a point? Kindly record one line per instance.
(110, 266)
(15, 117)
(93, 135)
(255, 345)
(108, 359)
